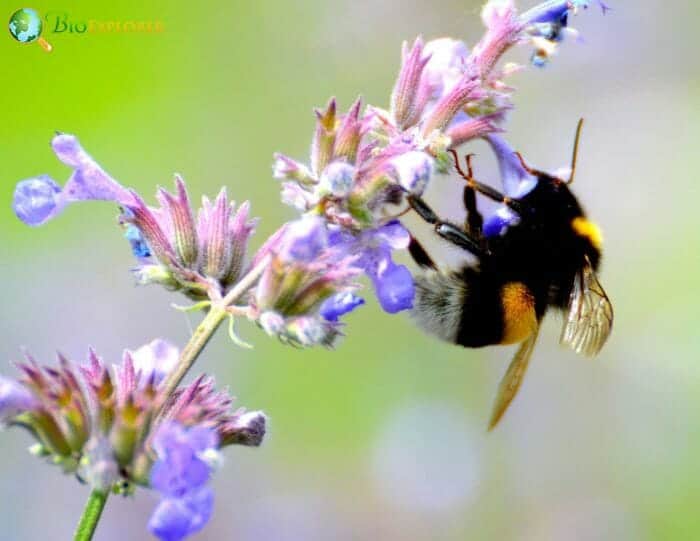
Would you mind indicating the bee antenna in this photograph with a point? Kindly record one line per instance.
(574, 157)
(458, 167)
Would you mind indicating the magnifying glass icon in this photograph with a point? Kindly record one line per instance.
(25, 26)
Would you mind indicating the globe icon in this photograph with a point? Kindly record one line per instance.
(25, 25)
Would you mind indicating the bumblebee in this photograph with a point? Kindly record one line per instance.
(548, 259)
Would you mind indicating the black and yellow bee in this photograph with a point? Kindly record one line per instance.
(547, 259)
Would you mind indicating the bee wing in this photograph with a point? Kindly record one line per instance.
(590, 318)
(513, 378)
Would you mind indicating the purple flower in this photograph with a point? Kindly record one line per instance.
(502, 31)
(410, 92)
(340, 304)
(362, 166)
(40, 199)
(556, 11)
(180, 467)
(14, 400)
(36, 199)
(517, 182)
(155, 360)
(180, 474)
(337, 179)
(393, 284)
(305, 271)
(546, 23)
(174, 519)
(447, 64)
(413, 171)
(139, 247)
(98, 466)
(496, 224)
(304, 240)
(245, 428)
(202, 257)
(515, 179)
(97, 422)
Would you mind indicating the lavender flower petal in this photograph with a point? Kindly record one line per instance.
(14, 399)
(337, 179)
(557, 10)
(393, 234)
(413, 171)
(179, 468)
(516, 181)
(37, 200)
(340, 304)
(155, 359)
(175, 519)
(304, 239)
(394, 288)
(248, 428)
(139, 246)
(498, 223)
(40, 199)
(448, 61)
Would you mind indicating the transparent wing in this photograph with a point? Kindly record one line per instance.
(590, 318)
(512, 379)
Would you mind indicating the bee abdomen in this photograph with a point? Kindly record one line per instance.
(439, 304)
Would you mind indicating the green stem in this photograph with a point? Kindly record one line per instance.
(91, 515)
(189, 354)
(206, 329)
(201, 336)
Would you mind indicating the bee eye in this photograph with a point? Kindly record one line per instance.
(498, 223)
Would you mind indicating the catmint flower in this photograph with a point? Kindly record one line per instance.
(337, 179)
(180, 473)
(37, 200)
(357, 174)
(155, 360)
(14, 399)
(497, 223)
(546, 24)
(503, 29)
(413, 170)
(200, 256)
(340, 304)
(517, 182)
(98, 423)
(304, 272)
(409, 95)
(372, 248)
(447, 62)
(97, 467)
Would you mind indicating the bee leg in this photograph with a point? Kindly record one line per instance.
(474, 220)
(484, 189)
(419, 255)
(444, 229)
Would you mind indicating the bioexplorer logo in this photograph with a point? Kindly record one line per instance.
(26, 26)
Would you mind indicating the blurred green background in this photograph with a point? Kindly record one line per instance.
(385, 437)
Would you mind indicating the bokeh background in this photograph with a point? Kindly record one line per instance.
(384, 438)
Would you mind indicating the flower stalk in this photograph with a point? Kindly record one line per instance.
(91, 515)
(208, 326)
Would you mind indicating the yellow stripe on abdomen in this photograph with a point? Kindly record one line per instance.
(519, 319)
